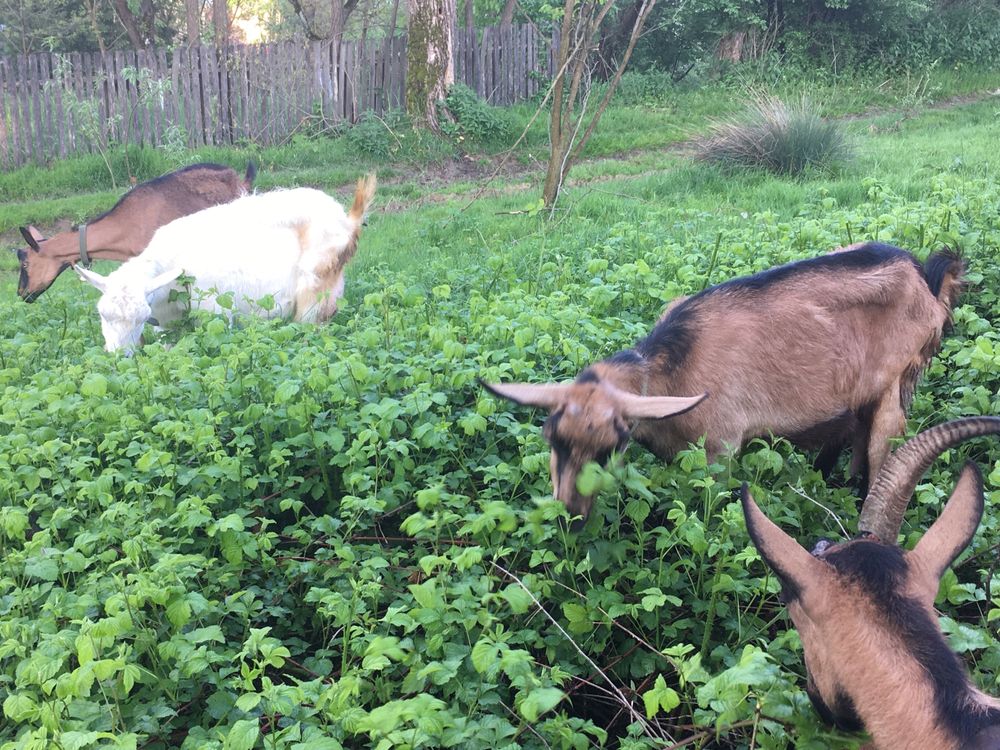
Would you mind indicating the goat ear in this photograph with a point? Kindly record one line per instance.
(656, 407)
(796, 568)
(32, 236)
(162, 280)
(92, 278)
(547, 395)
(952, 531)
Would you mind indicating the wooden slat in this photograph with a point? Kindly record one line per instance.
(61, 81)
(6, 131)
(347, 64)
(192, 102)
(267, 93)
(198, 95)
(225, 101)
(480, 86)
(245, 93)
(20, 152)
(177, 84)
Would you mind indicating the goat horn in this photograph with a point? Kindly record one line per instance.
(883, 509)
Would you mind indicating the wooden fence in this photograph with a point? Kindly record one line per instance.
(54, 105)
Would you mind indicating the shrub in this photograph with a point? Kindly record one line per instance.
(373, 136)
(777, 137)
(474, 118)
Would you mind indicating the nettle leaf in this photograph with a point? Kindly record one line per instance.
(520, 601)
(486, 655)
(660, 697)
(540, 701)
(95, 385)
(318, 743)
(242, 735)
(75, 740)
(44, 568)
(286, 392)
(130, 674)
(652, 599)
(179, 612)
(964, 638)
(248, 702)
(578, 617)
(20, 707)
(13, 522)
(202, 635)
(382, 651)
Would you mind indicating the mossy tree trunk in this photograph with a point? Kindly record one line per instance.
(429, 70)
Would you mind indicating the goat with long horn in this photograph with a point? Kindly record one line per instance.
(806, 350)
(864, 609)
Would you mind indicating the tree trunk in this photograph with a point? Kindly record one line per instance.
(220, 22)
(429, 69)
(577, 44)
(507, 14)
(337, 20)
(395, 18)
(92, 17)
(553, 180)
(130, 22)
(193, 11)
(319, 26)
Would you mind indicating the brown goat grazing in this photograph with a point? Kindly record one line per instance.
(864, 609)
(824, 345)
(125, 230)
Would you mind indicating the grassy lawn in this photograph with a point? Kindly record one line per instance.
(282, 535)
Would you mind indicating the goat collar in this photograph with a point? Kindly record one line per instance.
(82, 233)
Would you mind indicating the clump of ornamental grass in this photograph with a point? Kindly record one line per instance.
(777, 137)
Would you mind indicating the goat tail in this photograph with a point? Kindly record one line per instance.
(363, 195)
(250, 176)
(945, 273)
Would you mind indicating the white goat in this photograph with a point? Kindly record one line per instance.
(289, 244)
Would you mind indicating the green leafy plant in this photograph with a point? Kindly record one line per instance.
(373, 136)
(474, 119)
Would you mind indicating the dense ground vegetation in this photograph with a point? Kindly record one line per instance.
(288, 536)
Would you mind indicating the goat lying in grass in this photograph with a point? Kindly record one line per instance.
(864, 609)
(290, 244)
(124, 231)
(823, 345)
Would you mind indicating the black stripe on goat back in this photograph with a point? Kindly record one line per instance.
(674, 336)
(869, 255)
(626, 357)
(880, 569)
